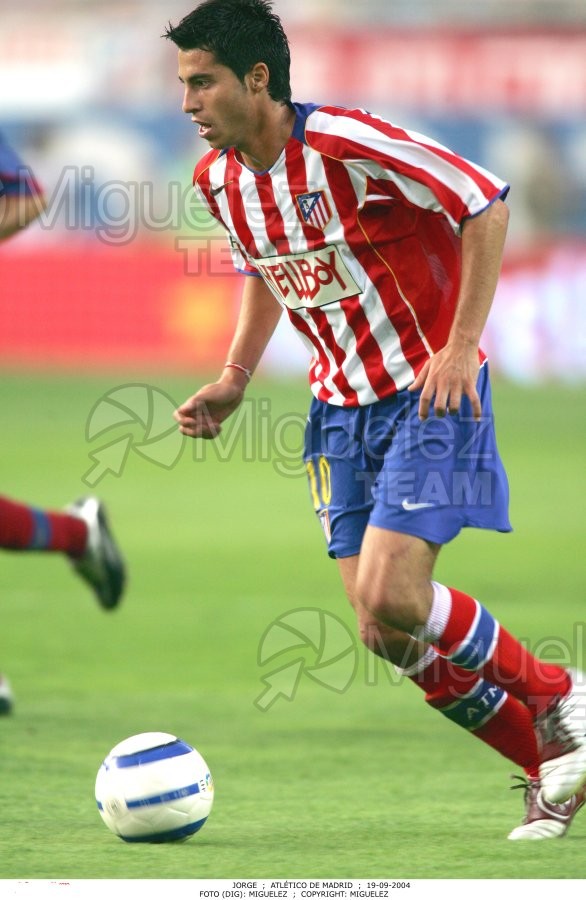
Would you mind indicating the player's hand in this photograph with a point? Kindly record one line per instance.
(447, 377)
(202, 415)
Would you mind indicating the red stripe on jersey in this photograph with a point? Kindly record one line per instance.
(328, 337)
(321, 358)
(274, 224)
(367, 348)
(297, 180)
(201, 178)
(205, 163)
(236, 206)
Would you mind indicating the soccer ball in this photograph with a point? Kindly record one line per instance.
(154, 788)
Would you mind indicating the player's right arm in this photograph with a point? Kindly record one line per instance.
(202, 414)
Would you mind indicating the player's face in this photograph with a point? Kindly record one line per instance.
(215, 98)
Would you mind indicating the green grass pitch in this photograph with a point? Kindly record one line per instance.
(353, 783)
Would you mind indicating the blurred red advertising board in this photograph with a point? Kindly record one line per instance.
(451, 72)
(97, 307)
(92, 305)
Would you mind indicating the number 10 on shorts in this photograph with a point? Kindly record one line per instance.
(320, 487)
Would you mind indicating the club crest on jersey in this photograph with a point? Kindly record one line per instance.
(314, 208)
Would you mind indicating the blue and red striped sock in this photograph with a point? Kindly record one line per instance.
(24, 527)
(471, 638)
(488, 712)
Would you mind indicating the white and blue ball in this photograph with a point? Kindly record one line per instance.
(154, 788)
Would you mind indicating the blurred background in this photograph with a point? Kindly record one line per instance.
(115, 275)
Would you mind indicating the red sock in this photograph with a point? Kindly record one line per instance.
(28, 528)
(511, 732)
(485, 710)
(471, 638)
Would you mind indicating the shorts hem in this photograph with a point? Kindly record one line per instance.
(425, 534)
(343, 553)
(432, 535)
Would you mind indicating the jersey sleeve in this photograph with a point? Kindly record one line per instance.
(239, 261)
(202, 188)
(15, 177)
(404, 165)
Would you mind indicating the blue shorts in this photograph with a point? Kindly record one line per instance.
(380, 465)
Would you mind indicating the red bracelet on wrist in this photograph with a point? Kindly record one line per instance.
(233, 365)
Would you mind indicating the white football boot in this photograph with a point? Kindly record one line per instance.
(102, 565)
(544, 820)
(561, 737)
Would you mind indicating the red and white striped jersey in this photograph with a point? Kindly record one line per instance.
(355, 229)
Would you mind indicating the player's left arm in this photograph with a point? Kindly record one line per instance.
(452, 372)
(17, 212)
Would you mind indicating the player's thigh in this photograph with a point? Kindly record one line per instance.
(393, 577)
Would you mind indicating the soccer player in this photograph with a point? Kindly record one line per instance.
(384, 249)
(82, 532)
(21, 197)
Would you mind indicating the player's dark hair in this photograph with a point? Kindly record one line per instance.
(240, 33)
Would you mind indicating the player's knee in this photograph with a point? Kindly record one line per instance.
(395, 603)
(387, 643)
(371, 634)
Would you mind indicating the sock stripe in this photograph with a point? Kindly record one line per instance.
(475, 642)
(484, 710)
(439, 614)
(42, 531)
(477, 707)
(462, 612)
(479, 644)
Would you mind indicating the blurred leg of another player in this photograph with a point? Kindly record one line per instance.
(82, 534)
